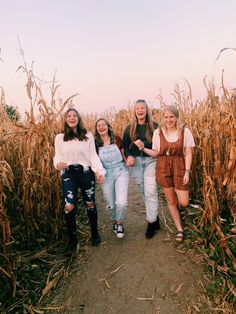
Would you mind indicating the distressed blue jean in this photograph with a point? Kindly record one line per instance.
(144, 174)
(74, 177)
(77, 177)
(115, 192)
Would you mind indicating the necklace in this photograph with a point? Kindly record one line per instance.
(168, 151)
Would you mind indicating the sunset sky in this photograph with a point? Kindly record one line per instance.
(113, 52)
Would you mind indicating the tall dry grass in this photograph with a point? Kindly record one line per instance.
(213, 123)
(30, 193)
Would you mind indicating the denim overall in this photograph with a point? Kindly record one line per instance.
(115, 187)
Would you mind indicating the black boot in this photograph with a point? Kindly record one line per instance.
(93, 220)
(70, 219)
(71, 246)
(71, 226)
(157, 224)
(151, 229)
(95, 238)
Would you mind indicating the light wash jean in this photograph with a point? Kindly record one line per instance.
(144, 174)
(115, 187)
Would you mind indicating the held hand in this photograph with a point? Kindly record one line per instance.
(61, 165)
(130, 161)
(186, 179)
(100, 178)
(139, 144)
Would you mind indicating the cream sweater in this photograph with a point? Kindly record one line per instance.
(75, 152)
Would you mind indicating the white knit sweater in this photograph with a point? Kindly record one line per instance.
(75, 152)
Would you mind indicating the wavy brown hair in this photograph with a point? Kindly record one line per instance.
(149, 122)
(111, 134)
(69, 133)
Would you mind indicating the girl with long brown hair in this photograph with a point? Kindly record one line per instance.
(77, 160)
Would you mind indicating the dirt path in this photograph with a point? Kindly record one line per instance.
(135, 275)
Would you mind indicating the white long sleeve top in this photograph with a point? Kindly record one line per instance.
(74, 152)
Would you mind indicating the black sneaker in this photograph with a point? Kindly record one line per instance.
(120, 232)
(114, 227)
(95, 239)
(151, 228)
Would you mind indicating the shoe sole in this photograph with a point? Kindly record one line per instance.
(96, 244)
(120, 235)
(150, 237)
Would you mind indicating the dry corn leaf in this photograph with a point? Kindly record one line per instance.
(114, 271)
(231, 287)
(52, 284)
(179, 287)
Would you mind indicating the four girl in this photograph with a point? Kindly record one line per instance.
(151, 155)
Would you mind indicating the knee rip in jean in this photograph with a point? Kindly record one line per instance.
(90, 192)
(70, 195)
(68, 207)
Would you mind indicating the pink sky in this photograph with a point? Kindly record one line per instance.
(113, 52)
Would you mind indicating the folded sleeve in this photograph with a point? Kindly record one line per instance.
(156, 140)
(188, 138)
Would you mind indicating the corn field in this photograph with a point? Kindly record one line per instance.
(30, 192)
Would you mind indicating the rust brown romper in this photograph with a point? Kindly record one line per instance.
(170, 166)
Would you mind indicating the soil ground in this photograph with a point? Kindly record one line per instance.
(134, 275)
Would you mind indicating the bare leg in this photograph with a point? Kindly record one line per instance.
(172, 206)
(183, 197)
(183, 200)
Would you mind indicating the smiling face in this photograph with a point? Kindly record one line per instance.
(140, 112)
(72, 119)
(102, 128)
(170, 120)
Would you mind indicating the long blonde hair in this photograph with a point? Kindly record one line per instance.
(148, 120)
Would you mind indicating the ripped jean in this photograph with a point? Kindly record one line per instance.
(75, 177)
(144, 174)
